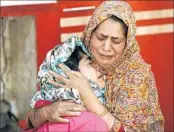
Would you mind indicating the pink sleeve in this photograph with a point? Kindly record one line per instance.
(42, 103)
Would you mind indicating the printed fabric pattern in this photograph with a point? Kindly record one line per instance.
(131, 93)
(57, 55)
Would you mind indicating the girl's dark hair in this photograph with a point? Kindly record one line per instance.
(73, 60)
(125, 28)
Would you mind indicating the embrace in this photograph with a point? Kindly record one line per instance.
(97, 83)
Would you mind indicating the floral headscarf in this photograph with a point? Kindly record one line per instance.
(131, 90)
(121, 10)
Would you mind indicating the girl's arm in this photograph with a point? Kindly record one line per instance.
(91, 102)
(95, 106)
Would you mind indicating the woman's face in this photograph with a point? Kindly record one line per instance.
(107, 42)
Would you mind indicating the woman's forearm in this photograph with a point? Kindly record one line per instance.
(38, 116)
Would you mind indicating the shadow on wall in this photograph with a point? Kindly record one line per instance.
(18, 62)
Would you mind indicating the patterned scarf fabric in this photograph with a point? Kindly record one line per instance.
(57, 55)
(131, 93)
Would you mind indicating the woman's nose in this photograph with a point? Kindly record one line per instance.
(107, 45)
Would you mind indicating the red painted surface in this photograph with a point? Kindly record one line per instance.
(156, 49)
(47, 30)
(147, 5)
(155, 21)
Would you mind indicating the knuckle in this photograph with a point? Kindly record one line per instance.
(73, 108)
(61, 112)
(53, 115)
(65, 113)
(52, 118)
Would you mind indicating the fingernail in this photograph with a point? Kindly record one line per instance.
(67, 120)
(78, 113)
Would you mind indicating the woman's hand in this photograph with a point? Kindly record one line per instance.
(75, 80)
(78, 81)
(56, 111)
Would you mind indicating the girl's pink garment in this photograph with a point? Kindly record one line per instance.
(86, 122)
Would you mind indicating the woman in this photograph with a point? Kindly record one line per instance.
(131, 94)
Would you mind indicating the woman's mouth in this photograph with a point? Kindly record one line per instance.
(105, 56)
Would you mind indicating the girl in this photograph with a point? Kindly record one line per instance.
(75, 50)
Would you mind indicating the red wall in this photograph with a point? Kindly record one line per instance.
(156, 49)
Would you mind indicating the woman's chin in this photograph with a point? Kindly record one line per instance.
(105, 63)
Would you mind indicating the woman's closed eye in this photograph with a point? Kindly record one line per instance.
(100, 37)
(117, 41)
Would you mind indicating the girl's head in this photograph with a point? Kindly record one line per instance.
(74, 59)
(78, 61)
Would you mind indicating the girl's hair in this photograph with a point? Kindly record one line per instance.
(73, 61)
